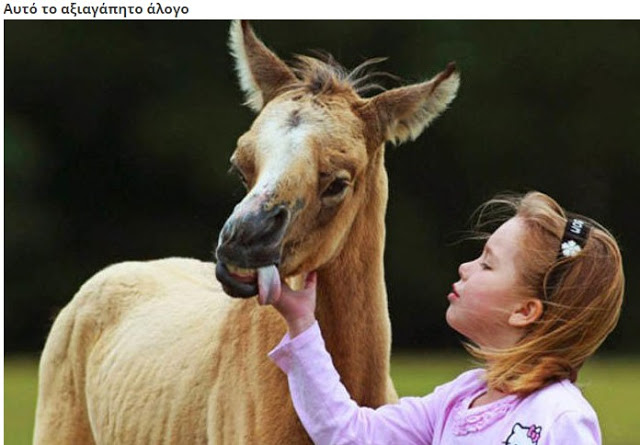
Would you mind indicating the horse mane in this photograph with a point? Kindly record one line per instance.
(324, 75)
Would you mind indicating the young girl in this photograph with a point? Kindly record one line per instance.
(540, 299)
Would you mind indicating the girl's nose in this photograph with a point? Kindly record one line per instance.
(463, 270)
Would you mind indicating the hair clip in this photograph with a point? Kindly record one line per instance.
(575, 237)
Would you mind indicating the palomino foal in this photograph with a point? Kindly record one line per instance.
(156, 352)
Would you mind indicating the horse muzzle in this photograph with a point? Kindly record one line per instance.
(247, 242)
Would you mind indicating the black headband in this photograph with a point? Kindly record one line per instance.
(575, 237)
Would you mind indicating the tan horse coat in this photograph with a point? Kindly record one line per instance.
(156, 353)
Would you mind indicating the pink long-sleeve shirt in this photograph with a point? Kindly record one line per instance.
(555, 415)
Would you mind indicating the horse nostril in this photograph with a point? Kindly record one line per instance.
(273, 224)
(280, 216)
(252, 237)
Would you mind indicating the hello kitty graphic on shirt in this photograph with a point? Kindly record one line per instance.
(523, 435)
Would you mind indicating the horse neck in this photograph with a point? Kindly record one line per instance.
(352, 299)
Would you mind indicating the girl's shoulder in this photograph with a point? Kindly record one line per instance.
(559, 413)
(560, 397)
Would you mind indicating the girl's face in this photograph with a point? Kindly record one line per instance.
(487, 293)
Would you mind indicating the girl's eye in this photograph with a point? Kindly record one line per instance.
(485, 266)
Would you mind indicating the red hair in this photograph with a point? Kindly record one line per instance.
(581, 295)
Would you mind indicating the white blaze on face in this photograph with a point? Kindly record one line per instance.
(282, 157)
(282, 150)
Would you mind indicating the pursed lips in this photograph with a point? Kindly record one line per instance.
(454, 293)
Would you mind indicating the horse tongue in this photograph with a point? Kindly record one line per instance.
(268, 284)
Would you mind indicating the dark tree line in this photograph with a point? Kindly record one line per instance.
(118, 134)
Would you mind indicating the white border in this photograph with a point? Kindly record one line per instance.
(332, 9)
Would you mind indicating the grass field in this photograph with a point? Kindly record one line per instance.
(611, 385)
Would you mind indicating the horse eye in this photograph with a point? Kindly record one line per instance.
(335, 188)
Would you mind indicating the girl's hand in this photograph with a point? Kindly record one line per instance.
(297, 307)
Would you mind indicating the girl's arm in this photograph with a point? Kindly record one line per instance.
(326, 409)
(321, 401)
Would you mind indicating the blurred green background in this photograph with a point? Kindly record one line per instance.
(118, 135)
(610, 385)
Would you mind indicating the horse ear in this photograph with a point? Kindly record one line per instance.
(403, 113)
(260, 71)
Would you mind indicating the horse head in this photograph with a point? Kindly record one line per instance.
(306, 159)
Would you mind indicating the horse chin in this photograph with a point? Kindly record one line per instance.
(235, 286)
